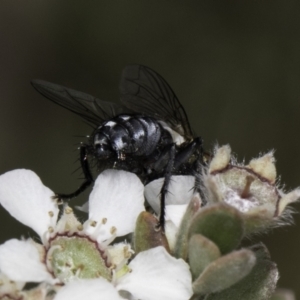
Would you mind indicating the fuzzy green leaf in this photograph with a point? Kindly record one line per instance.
(258, 285)
(202, 252)
(220, 223)
(225, 272)
(181, 245)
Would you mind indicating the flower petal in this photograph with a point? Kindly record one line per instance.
(171, 234)
(157, 275)
(180, 191)
(115, 202)
(91, 289)
(175, 213)
(20, 261)
(25, 197)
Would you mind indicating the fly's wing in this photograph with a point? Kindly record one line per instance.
(144, 91)
(92, 109)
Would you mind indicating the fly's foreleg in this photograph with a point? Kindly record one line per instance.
(87, 174)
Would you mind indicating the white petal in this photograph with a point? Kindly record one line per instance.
(180, 191)
(175, 213)
(90, 289)
(171, 234)
(117, 198)
(157, 275)
(20, 261)
(25, 197)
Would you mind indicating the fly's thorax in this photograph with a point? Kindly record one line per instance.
(177, 138)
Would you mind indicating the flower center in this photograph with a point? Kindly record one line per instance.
(71, 257)
(245, 190)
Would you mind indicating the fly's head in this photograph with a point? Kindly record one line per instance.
(102, 146)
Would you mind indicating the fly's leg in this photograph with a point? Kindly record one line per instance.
(87, 174)
(183, 156)
(164, 189)
(175, 161)
(198, 167)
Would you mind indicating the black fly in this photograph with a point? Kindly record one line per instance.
(149, 135)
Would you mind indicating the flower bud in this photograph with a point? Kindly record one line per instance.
(249, 188)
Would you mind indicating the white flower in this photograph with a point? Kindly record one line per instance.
(81, 257)
(115, 202)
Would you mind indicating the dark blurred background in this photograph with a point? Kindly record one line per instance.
(233, 64)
